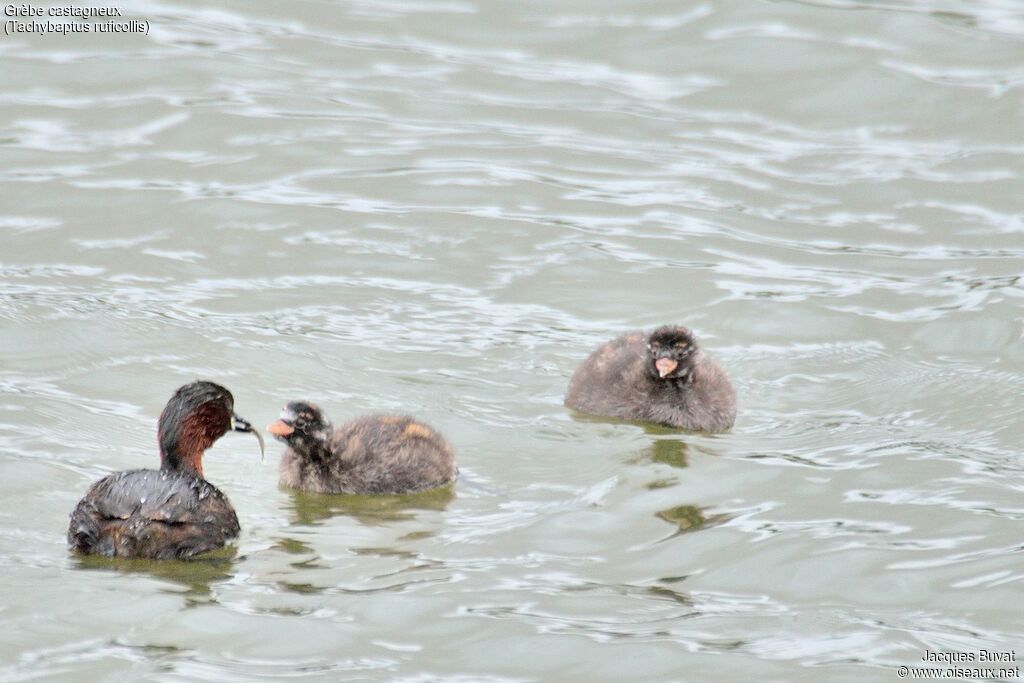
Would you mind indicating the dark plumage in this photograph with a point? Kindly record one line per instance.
(663, 377)
(171, 512)
(374, 454)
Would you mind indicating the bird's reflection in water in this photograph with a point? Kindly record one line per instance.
(689, 518)
(196, 575)
(672, 452)
(311, 508)
(292, 546)
(666, 593)
(686, 517)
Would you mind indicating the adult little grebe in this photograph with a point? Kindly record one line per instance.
(663, 377)
(171, 512)
(374, 454)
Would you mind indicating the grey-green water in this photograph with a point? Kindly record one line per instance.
(440, 208)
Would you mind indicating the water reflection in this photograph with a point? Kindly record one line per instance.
(670, 452)
(686, 517)
(689, 518)
(311, 508)
(648, 427)
(196, 575)
(292, 546)
(853, 259)
(666, 593)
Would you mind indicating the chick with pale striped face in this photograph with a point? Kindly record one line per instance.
(302, 426)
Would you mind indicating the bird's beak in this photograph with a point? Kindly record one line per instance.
(240, 424)
(280, 428)
(665, 366)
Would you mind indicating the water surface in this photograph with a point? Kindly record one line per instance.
(440, 208)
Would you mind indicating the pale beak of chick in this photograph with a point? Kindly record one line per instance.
(280, 428)
(665, 366)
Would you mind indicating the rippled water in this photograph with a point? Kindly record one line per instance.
(440, 208)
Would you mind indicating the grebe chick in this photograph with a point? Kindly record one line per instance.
(383, 454)
(663, 377)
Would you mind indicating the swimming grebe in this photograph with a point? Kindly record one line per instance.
(663, 377)
(172, 512)
(373, 454)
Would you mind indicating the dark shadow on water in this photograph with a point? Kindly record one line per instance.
(672, 452)
(648, 427)
(292, 546)
(312, 508)
(665, 593)
(196, 575)
(689, 518)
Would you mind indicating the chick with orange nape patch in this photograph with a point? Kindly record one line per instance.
(376, 454)
(663, 377)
